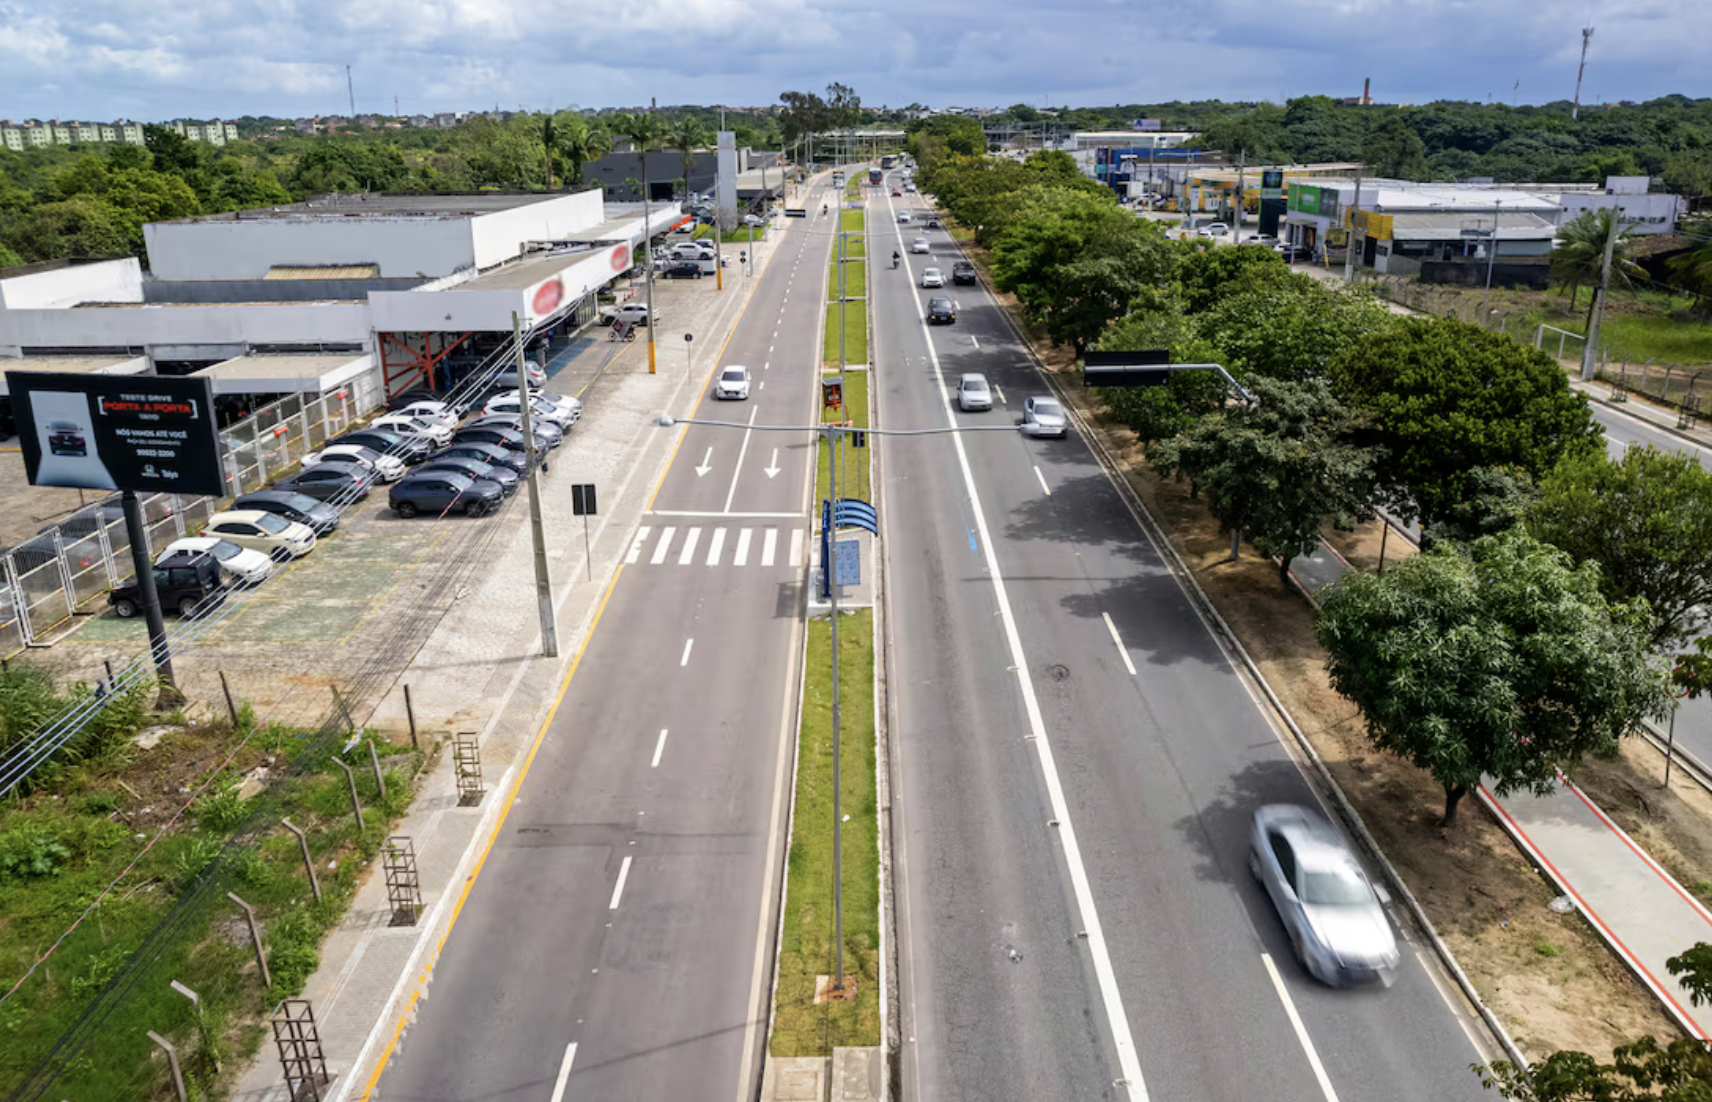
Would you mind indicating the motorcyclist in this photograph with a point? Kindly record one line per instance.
(895, 258)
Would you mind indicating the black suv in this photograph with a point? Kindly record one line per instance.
(941, 312)
(963, 272)
(683, 269)
(183, 580)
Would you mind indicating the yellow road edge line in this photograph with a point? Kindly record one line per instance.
(493, 836)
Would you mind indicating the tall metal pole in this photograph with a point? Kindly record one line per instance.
(543, 580)
(835, 457)
(1590, 353)
(648, 244)
(1241, 161)
(142, 563)
(1349, 248)
(1586, 37)
(1492, 253)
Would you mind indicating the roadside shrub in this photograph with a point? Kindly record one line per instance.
(27, 852)
(221, 811)
(100, 803)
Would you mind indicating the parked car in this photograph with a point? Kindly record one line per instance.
(266, 532)
(503, 473)
(292, 506)
(410, 449)
(415, 394)
(442, 492)
(387, 468)
(681, 269)
(495, 436)
(409, 427)
(931, 277)
(547, 434)
(632, 313)
(1289, 250)
(733, 382)
(1330, 912)
(920, 245)
(1044, 417)
(1213, 229)
(974, 393)
(431, 410)
(963, 272)
(339, 485)
(241, 564)
(484, 453)
(506, 377)
(569, 405)
(540, 409)
(754, 220)
(941, 311)
(183, 582)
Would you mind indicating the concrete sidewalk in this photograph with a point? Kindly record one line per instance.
(1643, 913)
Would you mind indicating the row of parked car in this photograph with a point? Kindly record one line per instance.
(434, 455)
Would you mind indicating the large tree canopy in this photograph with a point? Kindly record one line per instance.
(1504, 662)
(1446, 398)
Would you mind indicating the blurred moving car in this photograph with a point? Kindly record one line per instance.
(941, 311)
(920, 245)
(963, 272)
(1333, 917)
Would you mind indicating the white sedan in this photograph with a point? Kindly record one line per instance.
(931, 277)
(269, 533)
(538, 407)
(429, 410)
(244, 565)
(388, 468)
(919, 245)
(733, 382)
(415, 427)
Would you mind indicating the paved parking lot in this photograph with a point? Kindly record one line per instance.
(25, 508)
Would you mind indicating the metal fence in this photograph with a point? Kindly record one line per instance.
(262, 446)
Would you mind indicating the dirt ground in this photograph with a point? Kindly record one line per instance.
(1548, 977)
(25, 508)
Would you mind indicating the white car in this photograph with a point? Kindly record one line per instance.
(903, 217)
(633, 313)
(733, 382)
(538, 409)
(1213, 229)
(754, 220)
(409, 427)
(428, 410)
(919, 245)
(387, 468)
(931, 277)
(1044, 417)
(244, 565)
(570, 407)
(269, 533)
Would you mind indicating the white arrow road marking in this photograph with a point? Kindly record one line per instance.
(772, 467)
(705, 464)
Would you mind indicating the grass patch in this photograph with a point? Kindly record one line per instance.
(740, 236)
(800, 1027)
(852, 221)
(855, 333)
(63, 844)
(855, 281)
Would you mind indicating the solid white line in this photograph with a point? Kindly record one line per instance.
(769, 544)
(796, 547)
(663, 546)
(973, 341)
(741, 556)
(1117, 1020)
(722, 515)
(691, 538)
(618, 888)
(659, 748)
(715, 546)
(763, 384)
(741, 452)
(1123, 652)
(685, 660)
(1043, 484)
(1001, 395)
(565, 1069)
(1301, 1030)
(636, 545)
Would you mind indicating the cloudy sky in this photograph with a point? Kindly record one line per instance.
(147, 59)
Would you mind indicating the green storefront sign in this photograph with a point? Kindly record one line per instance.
(1314, 200)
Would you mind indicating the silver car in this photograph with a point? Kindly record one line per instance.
(1334, 920)
(973, 393)
(1044, 417)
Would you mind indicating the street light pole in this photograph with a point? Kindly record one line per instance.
(1492, 253)
(537, 534)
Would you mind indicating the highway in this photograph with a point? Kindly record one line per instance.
(1075, 766)
(617, 942)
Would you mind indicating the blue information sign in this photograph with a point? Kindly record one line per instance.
(847, 563)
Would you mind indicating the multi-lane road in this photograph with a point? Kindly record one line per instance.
(1076, 767)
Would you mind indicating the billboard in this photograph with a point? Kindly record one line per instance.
(106, 432)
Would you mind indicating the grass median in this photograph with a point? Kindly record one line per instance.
(853, 318)
(802, 1027)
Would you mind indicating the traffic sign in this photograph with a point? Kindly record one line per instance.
(847, 562)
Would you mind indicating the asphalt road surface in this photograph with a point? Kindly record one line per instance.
(616, 943)
(1076, 768)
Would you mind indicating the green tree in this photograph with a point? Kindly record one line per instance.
(1395, 150)
(1207, 276)
(8, 258)
(843, 106)
(1641, 1071)
(804, 115)
(687, 134)
(1646, 520)
(1291, 328)
(80, 227)
(1504, 662)
(1692, 269)
(170, 150)
(645, 132)
(1446, 397)
(1277, 468)
(582, 140)
(1497, 500)
(1579, 255)
(1156, 321)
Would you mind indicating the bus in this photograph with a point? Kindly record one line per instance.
(888, 161)
(874, 176)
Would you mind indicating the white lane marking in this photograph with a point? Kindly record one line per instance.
(722, 515)
(1123, 652)
(618, 888)
(715, 546)
(1043, 484)
(766, 365)
(736, 471)
(763, 384)
(1001, 395)
(691, 538)
(685, 660)
(659, 748)
(769, 544)
(1301, 1030)
(660, 548)
(796, 546)
(636, 545)
(741, 557)
(973, 341)
(564, 1072)
(1117, 1020)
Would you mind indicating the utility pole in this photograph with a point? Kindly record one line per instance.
(1590, 353)
(543, 580)
(1586, 37)
(351, 89)
(835, 458)
(1241, 162)
(142, 562)
(1492, 252)
(648, 243)
(1349, 248)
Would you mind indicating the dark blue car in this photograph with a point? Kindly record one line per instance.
(444, 492)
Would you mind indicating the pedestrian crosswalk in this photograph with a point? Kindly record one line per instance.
(706, 546)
